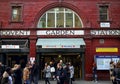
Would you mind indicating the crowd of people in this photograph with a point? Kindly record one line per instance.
(63, 73)
(115, 72)
(17, 75)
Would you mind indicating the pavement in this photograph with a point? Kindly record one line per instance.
(80, 82)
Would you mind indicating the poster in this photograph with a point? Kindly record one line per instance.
(103, 62)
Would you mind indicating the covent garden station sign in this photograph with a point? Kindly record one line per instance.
(58, 32)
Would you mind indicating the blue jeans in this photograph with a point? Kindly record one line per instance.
(27, 82)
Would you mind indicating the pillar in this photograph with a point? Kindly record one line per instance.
(89, 58)
(32, 51)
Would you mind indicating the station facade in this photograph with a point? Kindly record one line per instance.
(77, 31)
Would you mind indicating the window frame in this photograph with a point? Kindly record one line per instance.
(64, 11)
(16, 5)
(100, 4)
(105, 14)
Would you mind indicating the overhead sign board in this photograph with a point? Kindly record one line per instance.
(60, 32)
(14, 32)
(105, 32)
(106, 49)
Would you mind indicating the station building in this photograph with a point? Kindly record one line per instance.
(77, 31)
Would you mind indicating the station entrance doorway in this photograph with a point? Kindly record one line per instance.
(76, 58)
(66, 49)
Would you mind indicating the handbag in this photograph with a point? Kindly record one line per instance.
(52, 69)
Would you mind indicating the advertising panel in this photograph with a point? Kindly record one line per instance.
(103, 62)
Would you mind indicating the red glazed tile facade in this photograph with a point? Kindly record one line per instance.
(88, 11)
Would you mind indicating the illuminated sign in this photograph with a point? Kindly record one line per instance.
(10, 46)
(14, 32)
(60, 46)
(60, 32)
(106, 49)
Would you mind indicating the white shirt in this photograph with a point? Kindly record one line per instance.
(10, 80)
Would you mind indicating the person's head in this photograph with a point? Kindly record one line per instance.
(94, 64)
(61, 61)
(46, 64)
(118, 64)
(8, 70)
(51, 62)
(111, 62)
(15, 66)
(18, 66)
(59, 66)
(70, 63)
(27, 66)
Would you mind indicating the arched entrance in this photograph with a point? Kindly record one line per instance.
(54, 49)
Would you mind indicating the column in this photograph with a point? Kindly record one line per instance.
(32, 51)
(89, 58)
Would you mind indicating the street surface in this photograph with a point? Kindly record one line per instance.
(80, 82)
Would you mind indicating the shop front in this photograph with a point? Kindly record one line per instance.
(14, 51)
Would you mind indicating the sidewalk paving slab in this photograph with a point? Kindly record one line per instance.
(80, 82)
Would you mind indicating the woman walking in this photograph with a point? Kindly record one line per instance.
(47, 73)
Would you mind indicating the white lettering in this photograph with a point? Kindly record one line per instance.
(60, 32)
(14, 32)
(105, 32)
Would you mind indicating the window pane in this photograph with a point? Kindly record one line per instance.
(77, 22)
(16, 13)
(51, 20)
(103, 13)
(69, 19)
(60, 19)
(42, 22)
(103, 17)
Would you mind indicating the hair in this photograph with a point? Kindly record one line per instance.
(118, 64)
(8, 69)
(111, 62)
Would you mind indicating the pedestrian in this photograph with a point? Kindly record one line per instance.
(17, 74)
(30, 66)
(26, 74)
(6, 77)
(61, 63)
(52, 69)
(66, 72)
(116, 73)
(1, 70)
(71, 67)
(94, 72)
(60, 74)
(112, 67)
(47, 73)
(35, 73)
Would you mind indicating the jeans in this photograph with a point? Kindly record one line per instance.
(27, 82)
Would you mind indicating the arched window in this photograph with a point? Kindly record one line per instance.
(60, 17)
